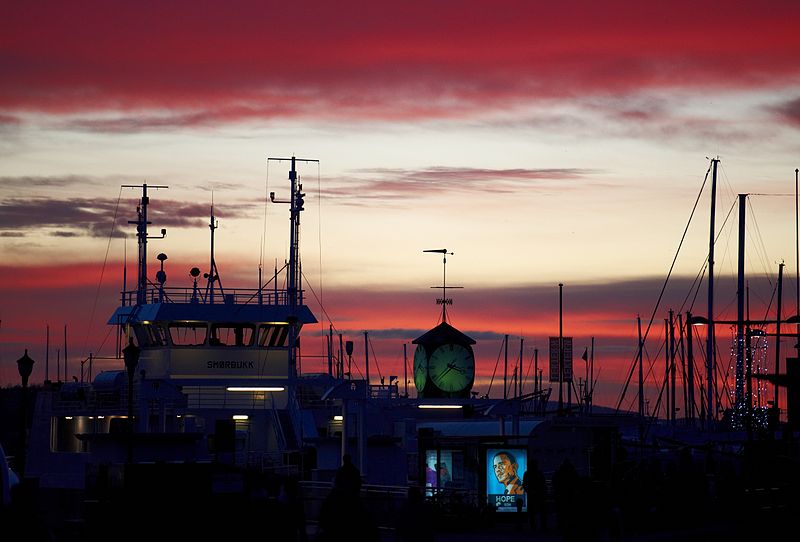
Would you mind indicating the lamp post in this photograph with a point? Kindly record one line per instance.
(696, 320)
(131, 356)
(25, 367)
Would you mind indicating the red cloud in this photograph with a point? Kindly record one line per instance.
(35, 296)
(268, 60)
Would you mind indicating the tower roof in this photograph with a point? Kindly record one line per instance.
(444, 333)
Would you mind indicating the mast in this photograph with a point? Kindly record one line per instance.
(292, 291)
(47, 355)
(505, 367)
(740, 316)
(560, 349)
(591, 378)
(689, 368)
(405, 371)
(667, 415)
(213, 272)
(521, 354)
(778, 335)
(710, 336)
(142, 237)
(641, 380)
(366, 359)
(672, 403)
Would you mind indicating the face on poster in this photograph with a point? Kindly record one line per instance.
(505, 468)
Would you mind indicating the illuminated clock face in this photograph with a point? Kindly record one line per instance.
(420, 367)
(451, 368)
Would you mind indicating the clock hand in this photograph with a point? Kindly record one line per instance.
(443, 373)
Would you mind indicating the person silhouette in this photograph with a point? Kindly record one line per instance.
(348, 477)
(536, 494)
(343, 515)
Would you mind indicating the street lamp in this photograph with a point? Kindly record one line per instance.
(131, 356)
(25, 367)
(697, 320)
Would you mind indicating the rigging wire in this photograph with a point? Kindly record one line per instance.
(494, 372)
(264, 229)
(102, 271)
(319, 243)
(664, 287)
(375, 357)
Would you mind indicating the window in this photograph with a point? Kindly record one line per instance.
(273, 335)
(187, 334)
(232, 334)
(155, 335)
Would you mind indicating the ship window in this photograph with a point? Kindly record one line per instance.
(273, 335)
(189, 334)
(232, 334)
(155, 335)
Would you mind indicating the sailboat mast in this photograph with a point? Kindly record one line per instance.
(710, 347)
(740, 316)
(641, 379)
(560, 349)
(778, 334)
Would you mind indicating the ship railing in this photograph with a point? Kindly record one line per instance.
(229, 296)
(384, 391)
(219, 397)
(271, 462)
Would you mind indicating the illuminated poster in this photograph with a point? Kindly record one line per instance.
(505, 468)
(438, 469)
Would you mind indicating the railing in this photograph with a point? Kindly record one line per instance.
(219, 397)
(229, 296)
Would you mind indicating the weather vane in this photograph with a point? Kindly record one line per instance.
(444, 300)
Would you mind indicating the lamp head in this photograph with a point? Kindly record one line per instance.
(25, 367)
(131, 355)
(697, 320)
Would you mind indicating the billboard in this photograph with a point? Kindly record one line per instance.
(505, 468)
(567, 342)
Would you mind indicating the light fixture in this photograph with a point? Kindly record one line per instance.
(697, 320)
(338, 418)
(240, 417)
(255, 388)
(440, 406)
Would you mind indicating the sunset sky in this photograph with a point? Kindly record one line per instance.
(541, 142)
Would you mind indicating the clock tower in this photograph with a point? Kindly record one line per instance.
(444, 364)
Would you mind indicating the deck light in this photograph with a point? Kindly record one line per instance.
(255, 388)
(240, 417)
